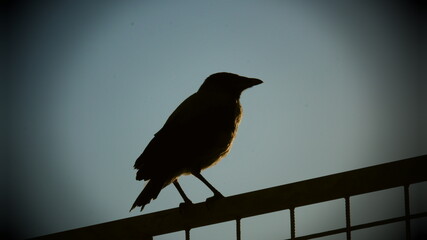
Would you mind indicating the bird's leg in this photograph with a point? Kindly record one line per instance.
(217, 194)
(187, 202)
(181, 192)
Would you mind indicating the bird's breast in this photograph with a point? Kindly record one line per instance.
(223, 125)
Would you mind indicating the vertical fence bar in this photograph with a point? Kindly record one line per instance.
(292, 222)
(347, 217)
(238, 230)
(407, 212)
(187, 234)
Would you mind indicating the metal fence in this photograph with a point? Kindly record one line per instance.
(344, 185)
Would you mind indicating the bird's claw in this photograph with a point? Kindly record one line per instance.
(184, 206)
(215, 198)
(210, 201)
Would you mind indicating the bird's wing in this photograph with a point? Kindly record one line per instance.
(186, 135)
(184, 114)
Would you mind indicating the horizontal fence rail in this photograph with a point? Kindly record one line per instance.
(337, 186)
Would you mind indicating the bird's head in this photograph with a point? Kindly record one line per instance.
(228, 83)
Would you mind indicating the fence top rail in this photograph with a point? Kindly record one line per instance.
(335, 186)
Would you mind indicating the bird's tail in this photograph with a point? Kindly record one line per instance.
(151, 191)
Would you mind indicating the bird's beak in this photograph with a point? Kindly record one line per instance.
(253, 81)
(245, 83)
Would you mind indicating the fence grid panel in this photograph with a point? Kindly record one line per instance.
(343, 185)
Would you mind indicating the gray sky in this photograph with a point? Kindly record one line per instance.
(90, 82)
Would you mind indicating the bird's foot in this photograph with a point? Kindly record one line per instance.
(210, 201)
(216, 196)
(183, 207)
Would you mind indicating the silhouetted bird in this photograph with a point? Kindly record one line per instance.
(196, 136)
